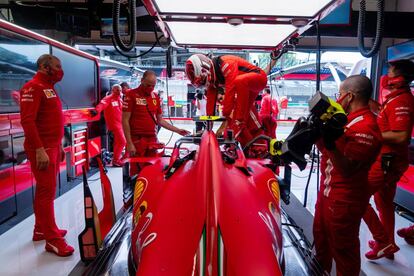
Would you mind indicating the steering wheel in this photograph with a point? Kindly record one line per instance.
(261, 151)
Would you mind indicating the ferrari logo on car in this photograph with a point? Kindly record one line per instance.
(274, 189)
(140, 187)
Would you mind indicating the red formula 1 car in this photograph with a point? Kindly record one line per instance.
(212, 211)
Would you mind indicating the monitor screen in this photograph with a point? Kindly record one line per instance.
(78, 88)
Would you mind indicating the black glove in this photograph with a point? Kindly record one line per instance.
(93, 112)
(386, 161)
(330, 134)
(199, 96)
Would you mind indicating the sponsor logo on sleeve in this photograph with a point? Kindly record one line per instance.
(49, 93)
(364, 138)
(27, 90)
(27, 95)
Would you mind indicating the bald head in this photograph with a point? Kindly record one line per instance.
(148, 81)
(148, 74)
(360, 86)
(116, 89)
(46, 60)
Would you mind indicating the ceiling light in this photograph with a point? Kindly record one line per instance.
(299, 22)
(223, 34)
(294, 8)
(235, 21)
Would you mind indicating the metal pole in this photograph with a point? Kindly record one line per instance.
(318, 57)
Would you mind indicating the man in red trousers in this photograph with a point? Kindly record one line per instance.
(112, 107)
(141, 116)
(268, 114)
(42, 122)
(395, 120)
(242, 82)
(343, 196)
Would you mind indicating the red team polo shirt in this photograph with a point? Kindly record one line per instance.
(41, 114)
(112, 106)
(397, 114)
(144, 110)
(360, 142)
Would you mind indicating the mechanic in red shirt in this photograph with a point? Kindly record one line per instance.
(125, 87)
(42, 122)
(268, 114)
(395, 120)
(112, 105)
(242, 82)
(141, 115)
(343, 196)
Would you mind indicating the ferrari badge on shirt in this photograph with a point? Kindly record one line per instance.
(49, 93)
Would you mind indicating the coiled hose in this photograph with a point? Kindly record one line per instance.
(132, 25)
(361, 32)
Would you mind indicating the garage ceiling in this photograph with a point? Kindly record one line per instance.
(236, 24)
